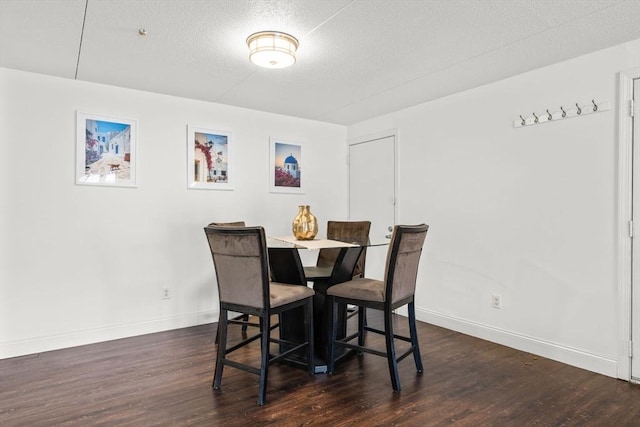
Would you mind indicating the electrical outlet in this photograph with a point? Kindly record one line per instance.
(165, 293)
(496, 301)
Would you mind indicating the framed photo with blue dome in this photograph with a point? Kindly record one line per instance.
(286, 171)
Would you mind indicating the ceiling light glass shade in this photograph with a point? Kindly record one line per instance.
(271, 49)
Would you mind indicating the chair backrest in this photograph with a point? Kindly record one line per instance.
(240, 260)
(229, 224)
(341, 230)
(403, 258)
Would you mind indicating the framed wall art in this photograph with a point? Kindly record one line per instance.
(286, 171)
(106, 150)
(209, 159)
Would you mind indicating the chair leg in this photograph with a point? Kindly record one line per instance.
(245, 318)
(308, 335)
(265, 331)
(414, 337)
(391, 350)
(331, 348)
(364, 310)
(362, 321)
(218, 330)
(221, 336)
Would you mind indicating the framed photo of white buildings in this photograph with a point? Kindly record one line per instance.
(209, 159)
(285, 167)
(106, 150)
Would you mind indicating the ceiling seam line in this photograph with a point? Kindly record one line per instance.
(328, 19)
(217, 99)
(84, 20)
(454, 64)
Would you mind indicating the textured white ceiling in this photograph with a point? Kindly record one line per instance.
(357, 58)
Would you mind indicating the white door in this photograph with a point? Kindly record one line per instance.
(372, 193)
(635, 250)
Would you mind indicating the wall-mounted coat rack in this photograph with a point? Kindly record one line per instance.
(562, 113)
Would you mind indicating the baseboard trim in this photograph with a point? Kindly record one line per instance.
(91, 336)
(550, 350)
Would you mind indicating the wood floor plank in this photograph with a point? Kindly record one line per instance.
(164, 379)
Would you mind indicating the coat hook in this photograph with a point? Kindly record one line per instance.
(564, 113)
(549, 116)
(523, 122)
(535, 120)
(579, 110)
(595, 106)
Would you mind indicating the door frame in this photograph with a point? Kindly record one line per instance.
(373, 137)
(625, 200)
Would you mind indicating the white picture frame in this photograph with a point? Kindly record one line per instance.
(286, 171)
(106, 150)
(210, 159)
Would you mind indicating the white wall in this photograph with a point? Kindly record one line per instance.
(81, 264)
(527, 213)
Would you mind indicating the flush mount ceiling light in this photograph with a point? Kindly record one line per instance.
(271, 49)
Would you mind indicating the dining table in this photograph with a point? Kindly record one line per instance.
(286, 267)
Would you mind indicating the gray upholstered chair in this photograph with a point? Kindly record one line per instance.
(242, 271)
(242, 319)
(396, 290)
(339, 230)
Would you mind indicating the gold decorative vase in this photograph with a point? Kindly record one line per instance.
(305, 224)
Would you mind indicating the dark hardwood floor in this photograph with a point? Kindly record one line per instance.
(164, 379)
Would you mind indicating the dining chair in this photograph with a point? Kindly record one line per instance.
(396, 290)
(321, 273)
(242, 319)
(339, 230)
(242, 271)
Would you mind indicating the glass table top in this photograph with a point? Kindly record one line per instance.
(321, 243)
